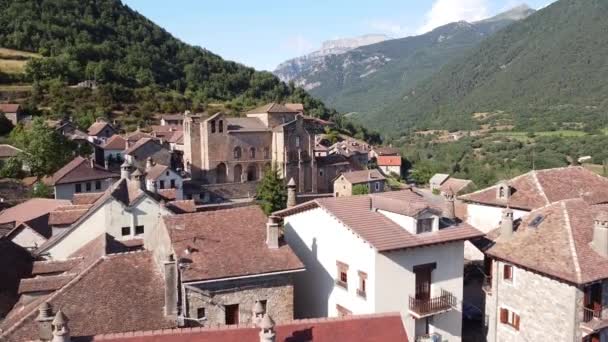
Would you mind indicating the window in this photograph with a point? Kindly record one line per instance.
(88, 186)
(377, 186)
(162, 184)
(139, 230)
(237, 153)
(232, 314)
(342, 311)
(97, 185)
(221, 126)
(266, 153)
(212, 126)
(342, 279)
(509, 318)
(200, 313)
(167, 174)
(507, 273)
(264, 304)
(125, 231)
(424, 225)
(321, 172)
(297, 141)
(173, 184)
(361, 291)
(78, 188)
(252, 153)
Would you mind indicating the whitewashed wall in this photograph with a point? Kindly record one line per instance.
(486, 218)
(28, 238)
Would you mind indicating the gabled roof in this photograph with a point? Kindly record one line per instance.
(272, 108)
(360, 214)
(68, 214)
(116, 142)
(141, 142)
(97, 127)
(456, 185)
(536, 189)
(295, 107)
(156, 171)
(439, 178)
(359, 328)
(137, 135)
(560, 246)
(177, 137)
(227, 243)
(246, 125)
(34, 213)
(7, 151)
(389, 160)
(9, 107)
(386, 151)
(363, 176)
(79, 170)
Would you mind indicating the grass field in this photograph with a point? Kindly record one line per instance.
(11, 87)
(16, 54)
(524, 136)
(14, 61)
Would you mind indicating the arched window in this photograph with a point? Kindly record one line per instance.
(238, 172)
(237, 153)
(266, 153)
(252, 153)
(221, 126)
(220, 173)
(212, 126)
(252, 173)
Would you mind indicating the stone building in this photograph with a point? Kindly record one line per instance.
(226, 261)
(547, 274)
(373, 180)
(220, 149)
(101, 130)
(12, 111)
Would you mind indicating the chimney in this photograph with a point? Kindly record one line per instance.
(44, 320)
(291, 193)
(506, 224)
(149, 163)
(125, 170)
(92, 161)
(272, 232)
(61, 332)
(450, 204)
(170, 273)
(600, 234)
(258, 312)
(139, 177)
(151, 186)
(267, 333)
(106, 164)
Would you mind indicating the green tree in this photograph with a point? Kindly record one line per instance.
(423, 171)
(360, 189)
(12, 168)
(271, 192)
(41, 190)
(5, 125)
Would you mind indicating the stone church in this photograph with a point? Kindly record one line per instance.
(220, 149)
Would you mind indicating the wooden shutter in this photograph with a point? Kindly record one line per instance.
(507, 272)
(504, 315)
(516, 321)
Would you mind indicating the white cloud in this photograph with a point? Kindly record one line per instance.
(389, 27)
(448, 11)
(299, 45)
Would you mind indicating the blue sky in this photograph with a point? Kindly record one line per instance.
(264, 33)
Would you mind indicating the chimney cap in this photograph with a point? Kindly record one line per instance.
(60, 319)
(137, 173)
(258, 308)
(292, 182)
(267, 322)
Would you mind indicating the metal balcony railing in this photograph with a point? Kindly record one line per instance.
(427, 307)
(589, 314)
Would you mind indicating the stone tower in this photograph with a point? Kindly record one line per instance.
(192, 146)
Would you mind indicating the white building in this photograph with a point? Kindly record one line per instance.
(389, 165)
(162, 177)
(386, 252)
(81, 176)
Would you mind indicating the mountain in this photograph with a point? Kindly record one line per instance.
(140, 67)
(547, 72)
(292, 69)
(364, 79)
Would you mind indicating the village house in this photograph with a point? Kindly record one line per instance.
(27, 224)
(226, 261)
(101, 130)
(354, 149)
(376, 152)
(389, 165)
(176, 119)
(527, 192)
(441, 182)
(547, 274)
(384, 252)
(13, 112)
(114, 150)
(81, 176)
(372, 180)
(139, 153)
(162, 177)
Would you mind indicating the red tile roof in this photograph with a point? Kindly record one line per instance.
(559, 246)
(68, 214)
(182, 207)
(86, 198)
(272, 108)
(363, 328)
(363, 176)
(116, 142)
(387, 151)
(30, 210)
(97, 127)
(44, 283)
(7, 151)
(295, 106)
(54, 266)
(227, 243)
(79, 170)
(117, 293)
(156, 171)
(9, 108)
(141, 142)
(536, 189)
(137, 135)
(356, 213)
(456, 185)
(389, 161)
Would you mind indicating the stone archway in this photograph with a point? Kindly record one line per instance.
(252, 172)
(238, 172)
(220, 173)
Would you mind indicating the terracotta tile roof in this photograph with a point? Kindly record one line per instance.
(166, 128)
(97, 127)
(360, 328)
(7, 151)
(363, 176)
(455, 184)
(272, 108)
(116, 293)
(55, 266)
(45, 283)
(141, 142)
(30, 181)
(31, 209)
(536, 189)
(298, 107)
(387, 151)
(379, 231)
(9, 107)
(68, 214)
(86, 198)
(156, 171)
(227, 243)
(175, 116)
(177, 137)
(79, 170)
(245, 125)
(116, 142)
(559, 246)
(182, 207)
(389, 161)
(137, 136)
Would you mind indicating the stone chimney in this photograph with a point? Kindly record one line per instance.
(449, 210)
(44, 320)
(149, 163)
(170, 273)
(151, 186)
(272, 232)
(258, 312)
(106, 164)
(506, 224)
(267, 333)
(291, 193)
(600, 234)
(61, 332)
(125, 170)
(140, 178)
(92, 162)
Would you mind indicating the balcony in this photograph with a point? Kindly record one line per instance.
(486, 286)
(420, 308)
(429, 338)
(589, 314)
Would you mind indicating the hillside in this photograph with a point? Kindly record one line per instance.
(366, 78)
(139, 66)
(546, 72)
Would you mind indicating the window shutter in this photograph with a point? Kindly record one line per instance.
(516, 321)
(507, 272)
(504, 313)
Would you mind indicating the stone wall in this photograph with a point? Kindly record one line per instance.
(276, 290)
(549, 310)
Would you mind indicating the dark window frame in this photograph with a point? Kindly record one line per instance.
(125, 229)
